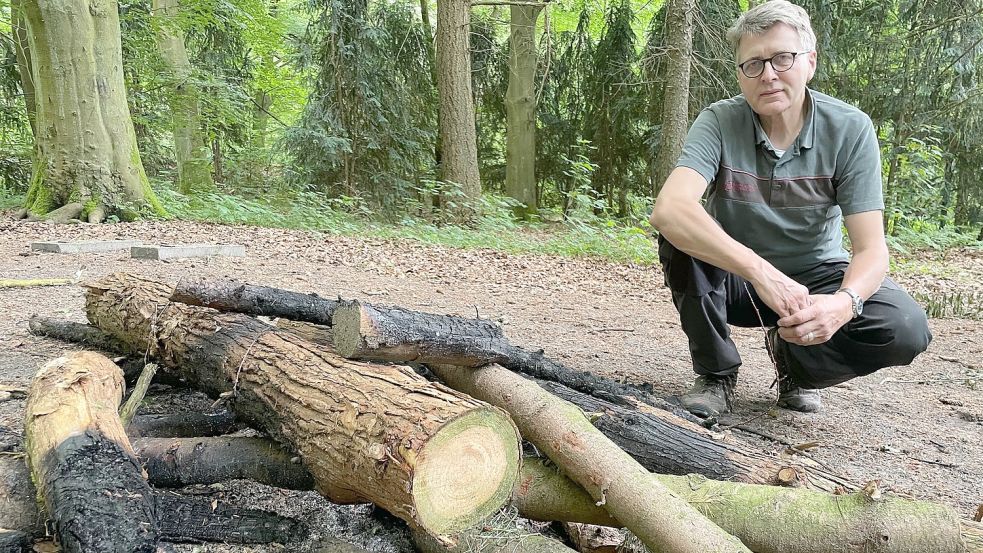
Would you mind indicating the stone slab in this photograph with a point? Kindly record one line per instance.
(84, 246)
(166, 251)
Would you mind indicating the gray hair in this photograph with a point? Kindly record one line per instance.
(761, 18)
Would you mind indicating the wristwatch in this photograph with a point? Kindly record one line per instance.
(858, 302)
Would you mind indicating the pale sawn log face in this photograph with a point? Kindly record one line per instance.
(376, 433)
(85, 468)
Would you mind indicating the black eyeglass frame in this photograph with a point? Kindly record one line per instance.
(770, 61)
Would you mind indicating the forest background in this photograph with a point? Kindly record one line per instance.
(355, 116)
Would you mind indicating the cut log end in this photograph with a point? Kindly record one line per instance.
(466, 472)
(348, 324)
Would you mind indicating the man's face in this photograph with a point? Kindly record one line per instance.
(772, 92)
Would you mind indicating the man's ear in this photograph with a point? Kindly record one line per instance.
(813, 61)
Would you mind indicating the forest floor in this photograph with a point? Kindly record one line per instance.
(917, 429)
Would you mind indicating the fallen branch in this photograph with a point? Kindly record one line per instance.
(31, 282)
(183, 425)
(612, 478)
(136, 396)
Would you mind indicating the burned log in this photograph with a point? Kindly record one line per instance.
(92, 337)
(394, 334)
(181, 518)
(173, 463)
(664, 443)
(13, 540)
(87, 473)
(368, 433)
(239, 297)
(658, 517)
(183, 425)
(192, 519)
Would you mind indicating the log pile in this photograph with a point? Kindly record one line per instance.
(443, 455)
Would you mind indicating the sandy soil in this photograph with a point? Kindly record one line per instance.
(916, 429)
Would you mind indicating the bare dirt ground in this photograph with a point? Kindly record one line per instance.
(916, 429)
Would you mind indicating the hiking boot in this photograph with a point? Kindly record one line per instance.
(710, 395)
(790, 394)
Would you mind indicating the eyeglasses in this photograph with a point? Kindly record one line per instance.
(780, 62)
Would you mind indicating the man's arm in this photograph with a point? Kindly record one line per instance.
(864, 275)
(680, 218)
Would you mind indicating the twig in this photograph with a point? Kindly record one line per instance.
(26, 283)
(612, 330)
(139, 391)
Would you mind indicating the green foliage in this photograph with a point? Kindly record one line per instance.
(369, 125)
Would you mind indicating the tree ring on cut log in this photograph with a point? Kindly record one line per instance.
(466, 472)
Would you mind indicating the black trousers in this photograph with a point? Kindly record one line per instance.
(891, 331)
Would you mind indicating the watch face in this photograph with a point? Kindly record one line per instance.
(858, 307)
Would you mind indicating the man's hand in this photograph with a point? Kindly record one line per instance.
(782, 294)
(818, 322)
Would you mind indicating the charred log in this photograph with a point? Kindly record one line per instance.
(238, 297)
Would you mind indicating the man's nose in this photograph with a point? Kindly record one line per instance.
(769, 73)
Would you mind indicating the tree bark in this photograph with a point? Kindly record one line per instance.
(458, 135)
(675, 99)
(86, 470)
(85, 147)
(809, 521)
(520, 110)
(24, 66)
(199, 519)
(559, 429)
(183, 425)
(239, 297)
(379, 433)
(193, 166)
(174, 463)
(588, 538)
(393, 334)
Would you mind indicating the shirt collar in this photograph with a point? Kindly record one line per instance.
(806, 136)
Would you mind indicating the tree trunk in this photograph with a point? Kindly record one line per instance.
(809, 521)
(85, 147)
(193, 166)
(588, 538)
(239, 297)
(675, 99)
(520, 110)
(175, 463)
(612, 478)
(261, 118)
(393, 334)
(458, 135)
(86, 470)
(24, 66)
(379, 433)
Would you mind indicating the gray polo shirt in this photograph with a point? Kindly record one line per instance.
(788, 209)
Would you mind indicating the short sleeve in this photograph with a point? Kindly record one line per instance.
(701, 151)
(858, 178)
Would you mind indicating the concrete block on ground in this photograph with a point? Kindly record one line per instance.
(84, 246)
(187, 250)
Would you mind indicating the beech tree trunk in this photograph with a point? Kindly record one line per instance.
(378, 433)
(194, 170)
(658, 517)
(85, 146)
(458, 135)
(24, 67)
(86, 470)
(520, 110)
(675, 98)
